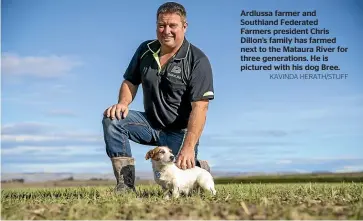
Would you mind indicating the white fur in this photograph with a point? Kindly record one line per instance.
(175, 180)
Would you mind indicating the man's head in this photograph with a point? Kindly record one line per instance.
(171, 25)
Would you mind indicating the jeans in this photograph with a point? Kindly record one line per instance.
(137, 128)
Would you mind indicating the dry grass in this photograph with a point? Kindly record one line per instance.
(234, 201)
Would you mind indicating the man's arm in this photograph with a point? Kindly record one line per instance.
(195, 128)
(200, 92)
(127, 92)
(128, 87)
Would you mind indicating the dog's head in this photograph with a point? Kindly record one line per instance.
(160, 154)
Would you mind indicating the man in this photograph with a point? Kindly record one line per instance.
(177, 85)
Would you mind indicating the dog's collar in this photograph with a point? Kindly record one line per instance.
(157, 174)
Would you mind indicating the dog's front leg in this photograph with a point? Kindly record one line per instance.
(166, 191)
(166, 194)
(176, 192)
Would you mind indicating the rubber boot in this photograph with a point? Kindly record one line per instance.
(203, 164)
(124, 170)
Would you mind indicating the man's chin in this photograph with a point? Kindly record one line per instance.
(168, 43)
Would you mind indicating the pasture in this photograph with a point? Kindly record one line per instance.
(233, 201)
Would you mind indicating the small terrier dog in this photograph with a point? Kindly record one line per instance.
(175, 180)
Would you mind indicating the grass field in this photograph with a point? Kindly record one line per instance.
(233, 201)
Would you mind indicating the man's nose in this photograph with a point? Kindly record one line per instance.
(167, 29)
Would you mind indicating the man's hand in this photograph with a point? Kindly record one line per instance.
(186, 158)
(118, 110)
(126, 95)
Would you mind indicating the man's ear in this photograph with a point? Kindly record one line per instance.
(149, 154)
(185, 26)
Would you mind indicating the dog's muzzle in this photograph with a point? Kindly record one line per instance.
(172, 158)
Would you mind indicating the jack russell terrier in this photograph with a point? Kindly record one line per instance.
(175, 180)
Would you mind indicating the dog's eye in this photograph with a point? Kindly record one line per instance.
(162, 151)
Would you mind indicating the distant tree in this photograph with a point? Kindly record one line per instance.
(96, 178)
(18, 180)
(68, 179)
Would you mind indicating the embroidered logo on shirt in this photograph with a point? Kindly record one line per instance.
(174, 75)
(176, 70)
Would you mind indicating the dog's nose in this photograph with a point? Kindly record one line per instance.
(171, 157)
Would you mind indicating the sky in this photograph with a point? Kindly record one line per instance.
(62, 64)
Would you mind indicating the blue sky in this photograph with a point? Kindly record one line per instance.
(63, 61)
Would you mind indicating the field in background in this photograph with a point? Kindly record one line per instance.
(233, 201)
(290, 178)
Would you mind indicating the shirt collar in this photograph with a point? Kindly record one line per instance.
(182, 53)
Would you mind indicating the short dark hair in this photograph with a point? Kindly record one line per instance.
(172, 7)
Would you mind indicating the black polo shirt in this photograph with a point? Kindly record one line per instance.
(169, 91)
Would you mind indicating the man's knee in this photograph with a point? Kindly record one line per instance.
(110, 126)
(116, 126)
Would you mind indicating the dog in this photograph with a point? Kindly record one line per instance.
(175, 181)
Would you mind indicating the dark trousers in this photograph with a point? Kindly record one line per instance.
(137, 128)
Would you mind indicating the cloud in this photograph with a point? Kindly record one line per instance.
(275, 163)
(42, 147)
(351, 168)
(226, 143)
(57, 151)
(284, 162)
(42, 134)
(57, 139)
(315, 109)
(52, 66)
(247, 139)
(258, 133)
(29, 128)
(38, 93)
(326, 159)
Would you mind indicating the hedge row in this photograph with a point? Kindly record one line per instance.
(303, 178)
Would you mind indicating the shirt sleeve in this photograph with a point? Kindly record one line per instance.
(201, 82)
(132, 72)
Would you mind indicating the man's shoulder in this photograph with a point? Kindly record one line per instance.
(196, 53)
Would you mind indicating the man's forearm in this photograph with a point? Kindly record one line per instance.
(127, 92)
(196, 123)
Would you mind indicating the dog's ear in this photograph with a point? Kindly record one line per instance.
(150, 154)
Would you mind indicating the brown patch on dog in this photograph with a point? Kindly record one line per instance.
(149, 154)
(153, 154)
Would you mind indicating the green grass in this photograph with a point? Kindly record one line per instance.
(233, 201)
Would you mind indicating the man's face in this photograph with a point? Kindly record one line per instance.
(170, 30)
